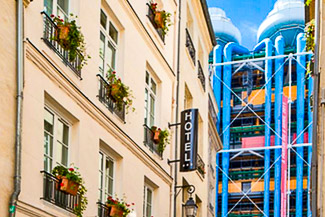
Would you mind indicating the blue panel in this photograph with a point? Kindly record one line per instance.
(216, 82)
(217, 184)
(279, 50)
(301, 60)
(267, 44)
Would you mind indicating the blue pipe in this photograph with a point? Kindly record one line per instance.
(217, 184)
(217, 52)
(279, 50)
(267, 44)
(229, 49)
(310, 140)
(301, 43)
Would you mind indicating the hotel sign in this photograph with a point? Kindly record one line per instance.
(189, 138)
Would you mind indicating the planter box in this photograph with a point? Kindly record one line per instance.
(67, 185)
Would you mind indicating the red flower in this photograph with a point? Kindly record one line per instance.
(52, 15)
(75, 204)
(114, 72)
(159, 129)
(61, 20)
(127, 205)
(61, 184)
(133, 204)
(71, 169)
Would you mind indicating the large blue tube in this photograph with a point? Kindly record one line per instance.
(310, 140)
(279, 50)
(267, 44)
(301, 60)
(229, 49)
(217, 52)
(217, 185)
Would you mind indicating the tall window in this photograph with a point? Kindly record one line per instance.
(147, 201)
(56, 140)
(108, 44)
(106, 177)
(150, 100)
(57, 7)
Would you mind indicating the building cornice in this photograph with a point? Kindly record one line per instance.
(50, 70)
(208, 21)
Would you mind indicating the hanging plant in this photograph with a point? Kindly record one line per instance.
(161, 18)
(118, 92)
(118, 208)
(70, 38)
(160, 137)
(71, 182)
(310, 45)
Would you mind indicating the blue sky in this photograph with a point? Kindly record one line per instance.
(247, 15)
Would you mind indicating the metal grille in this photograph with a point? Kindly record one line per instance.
(190, 46)
(200, 75)
(148, 140)
(103, 210)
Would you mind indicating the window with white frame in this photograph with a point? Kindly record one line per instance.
(56, 140)
(106, 177)
(147, 201)
(150, 100)
(108, 44)
(57, 7)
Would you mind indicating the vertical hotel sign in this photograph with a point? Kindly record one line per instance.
(189, 138)
(284, 158)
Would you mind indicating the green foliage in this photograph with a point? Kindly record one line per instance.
(310, 36)
(120, 204)
(74, 42)
(72, 174)
(308, 2)
(119, 92)
(163, 138)
(165, 17)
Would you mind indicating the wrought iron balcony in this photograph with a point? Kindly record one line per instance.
(50, 29)
(107, 101)
(103, 210)
(151, 16)
(190, 46)
(200, 75)
(148, 140)
(53, 194)
(200, 166)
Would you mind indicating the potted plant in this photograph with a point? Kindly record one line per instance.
(161, 18)
(310, 45)
(118, 208)
(160, 137)
(118, 92)
(70, 38)
(71, 182)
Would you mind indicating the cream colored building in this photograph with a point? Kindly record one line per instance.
(67, 120)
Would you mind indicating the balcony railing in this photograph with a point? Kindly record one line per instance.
(148, 140)
(48, 37)
(103, 210)
(52, 194)
(151, 17)
(200, 166)
(103, 98)
(190, 46)
(200, 75)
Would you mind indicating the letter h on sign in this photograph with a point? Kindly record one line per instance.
(189, 138)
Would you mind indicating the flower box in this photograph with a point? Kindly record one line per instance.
(68, 186)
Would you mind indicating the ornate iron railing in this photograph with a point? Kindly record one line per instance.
(49, 32)
(103, 98)
(53, 194)
(200, 166)
(151, 16)
(200, 75)
(148, 140)
(103, 210)
(190, 46)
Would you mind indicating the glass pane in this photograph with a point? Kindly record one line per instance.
(147, 78)
(63, 133)
(47, 164)
(48, 144)
(62, 154)
(111, 52)
(145, 106)
(111, 167)
(101, 161)
(48, 121)
(48, 7)
(65, 156)
(110, 187)
(149, 211)
(149, 196)
(152, 111)
(113, 32)
(153, 86)
(103, 19)
(64, 6)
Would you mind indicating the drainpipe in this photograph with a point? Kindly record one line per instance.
(229, 49)
(315, 113)
(19, 98)
(177, 104)
(217, 52)
(279, 50)
(310, 140)
(267, 44)
(301, 60)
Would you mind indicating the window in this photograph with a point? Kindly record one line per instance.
(106, 177)
(57, 7)
(108, 44)
(56, 140)
(147, 201)
(245, 186)
(150, 101)
(188, 99)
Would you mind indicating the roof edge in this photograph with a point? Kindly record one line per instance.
(208, 21)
